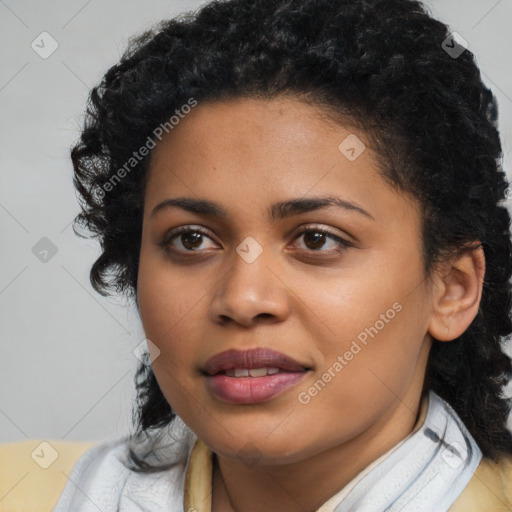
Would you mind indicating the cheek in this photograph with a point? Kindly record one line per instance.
(371, 331)
(166, 298)
(360, 381)
(166, 310)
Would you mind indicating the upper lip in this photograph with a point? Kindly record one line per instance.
(254, 358)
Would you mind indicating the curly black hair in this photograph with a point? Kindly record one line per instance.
(384, 64)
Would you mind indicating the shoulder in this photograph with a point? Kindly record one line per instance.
(33, 473)
(490, 489)
(101, 476)
(99, 470)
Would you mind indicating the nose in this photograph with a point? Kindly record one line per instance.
(250, 293)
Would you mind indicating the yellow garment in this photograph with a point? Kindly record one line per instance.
(26, 487)
(490, 489)
(25, 484)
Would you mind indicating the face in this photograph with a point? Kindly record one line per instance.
(293, 328)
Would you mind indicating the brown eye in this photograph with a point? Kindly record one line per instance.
(316, 238)
(190, 240)
(186, 239)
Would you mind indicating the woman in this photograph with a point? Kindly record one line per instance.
(304, 198)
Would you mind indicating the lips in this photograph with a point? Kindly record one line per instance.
(251, 359)
(251, 376)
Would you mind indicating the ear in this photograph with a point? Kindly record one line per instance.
(457, 291)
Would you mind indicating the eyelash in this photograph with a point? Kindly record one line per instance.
(343, 244)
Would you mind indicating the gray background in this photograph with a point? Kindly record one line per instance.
(66, 361)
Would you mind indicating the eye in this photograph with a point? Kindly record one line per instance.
(190, 238)
(315, 238)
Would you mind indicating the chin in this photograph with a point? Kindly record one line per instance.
(253, 448)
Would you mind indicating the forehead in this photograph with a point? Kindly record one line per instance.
(248, 153)
(249, 122)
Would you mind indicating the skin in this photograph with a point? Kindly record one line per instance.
(311, 304)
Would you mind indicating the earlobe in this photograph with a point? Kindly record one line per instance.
(458, 284)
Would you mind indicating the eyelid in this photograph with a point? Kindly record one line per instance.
(346, 237)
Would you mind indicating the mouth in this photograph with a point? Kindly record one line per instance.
(245, 363)
(251, 376)
(251, 372)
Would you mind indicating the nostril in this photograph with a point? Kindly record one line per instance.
(264, 315)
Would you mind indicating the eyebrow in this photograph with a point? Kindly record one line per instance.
(277, 211)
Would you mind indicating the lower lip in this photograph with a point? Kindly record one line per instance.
(252, 390)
